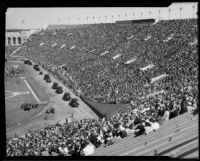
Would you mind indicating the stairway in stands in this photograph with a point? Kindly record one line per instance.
(177, 138)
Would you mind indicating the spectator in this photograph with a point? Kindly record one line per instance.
(89, 149)
(166, 115)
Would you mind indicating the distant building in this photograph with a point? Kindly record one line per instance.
(16, 37)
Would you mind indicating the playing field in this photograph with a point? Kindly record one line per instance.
(19, 91)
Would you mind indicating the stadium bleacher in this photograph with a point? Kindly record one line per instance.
(92, 61)
(173, 132)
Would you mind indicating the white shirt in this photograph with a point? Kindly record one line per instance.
(166, 116)
(61, 150)
(154, 126)
(88, 150)
(65, 150)
(129, 131)
(121, 128)
(190, 108)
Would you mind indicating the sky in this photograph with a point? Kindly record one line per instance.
(32, 18)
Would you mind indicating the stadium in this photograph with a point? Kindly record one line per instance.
(119, 88)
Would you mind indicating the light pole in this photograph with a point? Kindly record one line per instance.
(78, 20)
(87, 20)
(141, 14)
(118, 17)
(93, 19)
(169, 13)
(158, 14)
(149, 14)
(69, 21)
(112, 18)
(133, 15)
(180, 11)
(126, 16)
(193, 11)
(105, 19)
(99, 19)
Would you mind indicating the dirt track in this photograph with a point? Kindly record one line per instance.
(62, 109)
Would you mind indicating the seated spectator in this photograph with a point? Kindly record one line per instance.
(139, 130)
(93, 138)
(114, 140)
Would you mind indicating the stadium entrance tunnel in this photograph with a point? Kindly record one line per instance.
(103, 109)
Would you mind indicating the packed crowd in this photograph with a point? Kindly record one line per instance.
(170, 45)
(83, 136)
(9, 50)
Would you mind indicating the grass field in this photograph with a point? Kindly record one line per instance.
(14, 114)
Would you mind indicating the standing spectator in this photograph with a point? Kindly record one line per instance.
(166, 115)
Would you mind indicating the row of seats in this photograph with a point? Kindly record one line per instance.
(172, 133)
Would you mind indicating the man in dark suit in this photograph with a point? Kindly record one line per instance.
(139, 130)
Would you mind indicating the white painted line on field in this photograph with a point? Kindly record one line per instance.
(33, 93)
(13, 94)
